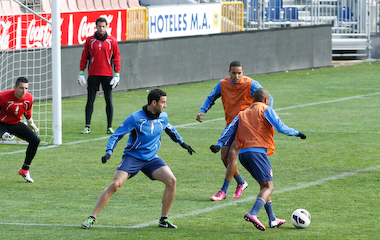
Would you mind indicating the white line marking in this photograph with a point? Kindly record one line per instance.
(210, 209)
(212, 120)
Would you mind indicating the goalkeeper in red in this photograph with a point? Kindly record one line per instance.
(254, 135)
(101, 53)
(140, 154)
(14, 104)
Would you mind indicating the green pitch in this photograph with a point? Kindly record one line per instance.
(334, 173)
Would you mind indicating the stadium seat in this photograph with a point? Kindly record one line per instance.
(133, 3)
(123, 4)
(81, 5)
(72, 4)
(10, 8)
(107, 4)
(46, 6)
(115, 4)
(291, 14)
(89, 4)
(345, 14)
(64, 7)
(98, 4)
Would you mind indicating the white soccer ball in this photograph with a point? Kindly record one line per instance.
(301, 218)
(7, 137)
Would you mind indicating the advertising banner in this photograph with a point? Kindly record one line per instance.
(29, 31)
(184, 20)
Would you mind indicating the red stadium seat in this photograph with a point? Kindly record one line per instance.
(107, 4)
(72, 4)
(89, 4)
(123, 4)
(133, 3)
(115, 4)
(81, 5)
(98, 5)
(64, 7)
(46, 6)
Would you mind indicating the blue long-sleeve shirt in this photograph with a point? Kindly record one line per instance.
(217, 93)
(144, 135)
(271, 116)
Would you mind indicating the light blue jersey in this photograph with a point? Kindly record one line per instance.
(144, 135)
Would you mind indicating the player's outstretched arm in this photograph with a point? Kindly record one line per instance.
(106, 157)
(188, 148)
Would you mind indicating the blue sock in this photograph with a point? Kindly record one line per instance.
(269, 209)
(257, 206)
(239, 179)
(226, 184)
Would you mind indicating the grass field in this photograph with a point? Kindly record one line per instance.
(334, 173)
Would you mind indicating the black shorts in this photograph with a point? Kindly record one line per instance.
(95, 81)
(20, 130)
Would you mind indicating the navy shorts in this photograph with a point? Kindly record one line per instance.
(258, 165)
(95, 81)
(133, 165)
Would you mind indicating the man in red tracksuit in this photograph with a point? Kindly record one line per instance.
(101, 54)
(14, 104)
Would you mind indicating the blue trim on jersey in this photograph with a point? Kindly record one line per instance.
(271, 116)
(217, 93)
(144, 135)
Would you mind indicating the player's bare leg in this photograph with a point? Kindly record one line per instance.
(118, 180)
(165, 175)
(105, 196)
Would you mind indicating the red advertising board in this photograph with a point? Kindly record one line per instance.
(29, 31)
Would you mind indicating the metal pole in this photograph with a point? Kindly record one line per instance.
(56, 62)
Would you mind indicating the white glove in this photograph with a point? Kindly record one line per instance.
(82, 80)
(32, 125)
(114, 81)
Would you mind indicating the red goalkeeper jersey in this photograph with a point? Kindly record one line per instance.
(12, 109)
(102, 54)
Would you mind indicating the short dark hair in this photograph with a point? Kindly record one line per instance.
(260, 94)
(155, 94)
(236, 64)
(21, 80)
(101, 19)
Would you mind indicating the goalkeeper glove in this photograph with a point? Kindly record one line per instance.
(106, 157)
(188, 148)
(214, 148)
(81, 79)
(115, 80)
(301, 135)
(32, 125)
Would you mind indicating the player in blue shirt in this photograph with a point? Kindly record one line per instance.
(140, 154)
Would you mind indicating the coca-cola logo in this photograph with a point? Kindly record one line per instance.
(4, 34)
(87, 29)
(38, 36)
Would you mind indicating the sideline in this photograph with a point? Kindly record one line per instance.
(210, 209)
(212, 120)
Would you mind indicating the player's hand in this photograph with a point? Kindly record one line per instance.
(188, 148)
(32, 125)
(81, 79)
(200, 116)
(301, 135)
(106, 157)
(115, 80)
(214, 148)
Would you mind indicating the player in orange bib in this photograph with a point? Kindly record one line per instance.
(254, 135)
(237, 94)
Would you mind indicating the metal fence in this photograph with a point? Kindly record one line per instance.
(352, 21)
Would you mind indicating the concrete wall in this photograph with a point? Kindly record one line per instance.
(151, 63)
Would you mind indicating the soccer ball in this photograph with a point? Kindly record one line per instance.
(7, 137)
(301, 218)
